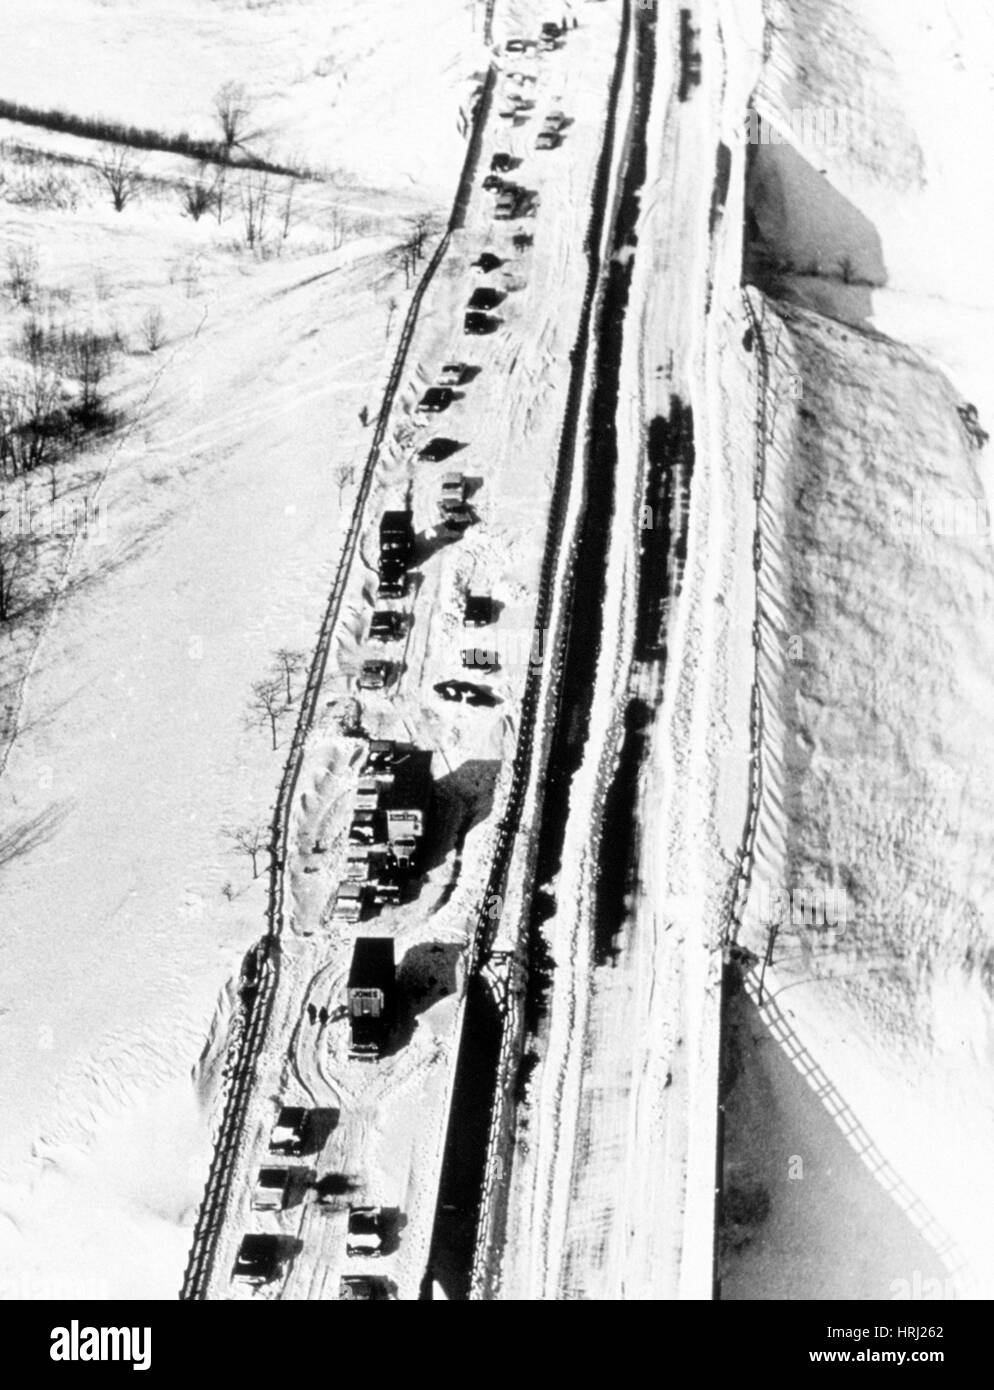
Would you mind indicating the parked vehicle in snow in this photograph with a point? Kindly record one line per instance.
(392, 578)
(291, 1131)
(374, 675)
(365, 1232)
(479, 324)
(272, 1187)
(437, 449)
(462, 692)
(547, 139)
(501, 163)
(453, 492)
(487, 262)
(485, 297)
(350, 902)
(456, 515)
(549, 37)
(406, 792)
(371, 992)
(368, 829)
(259, 1260)
(397, 536)
(361, 1288)
(478, 611)
(435, 399)
(386, 625)
(380, 755)
(508, 203)
(452, 374)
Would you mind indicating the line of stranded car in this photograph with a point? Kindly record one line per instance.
(395, 790)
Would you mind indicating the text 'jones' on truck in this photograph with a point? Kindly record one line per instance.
(372, 987)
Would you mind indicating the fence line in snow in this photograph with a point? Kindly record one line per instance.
(854, 1133)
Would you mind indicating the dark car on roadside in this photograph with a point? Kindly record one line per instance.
(464, 692)
(501, 163)
(479, 324)
(478, 611)
(487, 261)
(363, 1288)
(374, 675)
(386, 625)
(393, 579)
(485, 297)
(436, 398)
(438, 449)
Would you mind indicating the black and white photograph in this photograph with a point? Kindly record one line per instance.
(496, 665)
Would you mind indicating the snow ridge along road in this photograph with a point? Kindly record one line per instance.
(259, 988)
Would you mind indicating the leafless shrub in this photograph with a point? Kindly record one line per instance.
(197, 198)
(22, 274)
(253, 199)
(153, 329)
(232, 111)
(120, 173)
(392, 307)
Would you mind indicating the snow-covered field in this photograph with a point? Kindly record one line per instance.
(371, 94)
(220, 523)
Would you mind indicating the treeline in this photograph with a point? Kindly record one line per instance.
(112, 132)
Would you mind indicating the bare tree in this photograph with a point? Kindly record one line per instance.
(232, 111)
(268, 705)
(253, 196)
(153, 328)
(250, 840)
(120, 173)
(422, 226)
(197, 198)
(22, 273)
(218, 192)
(89, 360)
(343, 476)
(32, 418)
(404, 257)
(286, 221)
(12, 551)
(290, 663)
(392, 307)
